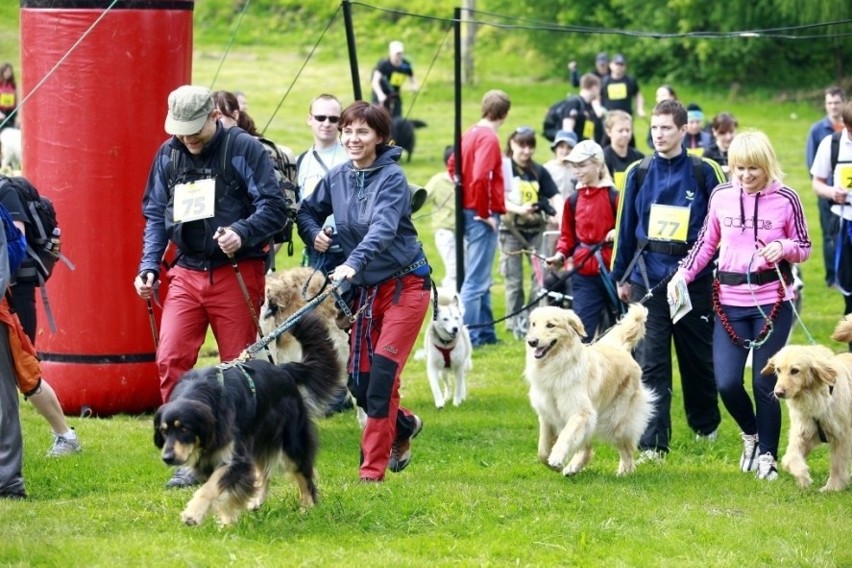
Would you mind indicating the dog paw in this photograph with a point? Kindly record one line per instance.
(191, 519)
(571, 469)
(832, 485)
(554, 463)
(805, 481)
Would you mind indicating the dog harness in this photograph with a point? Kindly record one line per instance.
(445, 351)
(220, 375)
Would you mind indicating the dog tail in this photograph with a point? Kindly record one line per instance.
(843, 331)
(318, 373)
(630, 330)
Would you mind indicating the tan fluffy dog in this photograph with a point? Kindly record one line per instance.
(817, 385)
(285, 294)
(581, 391)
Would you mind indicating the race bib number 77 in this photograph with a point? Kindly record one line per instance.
(194, 200)
(668, 223)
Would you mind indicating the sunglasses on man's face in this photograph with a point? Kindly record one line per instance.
(324, 117)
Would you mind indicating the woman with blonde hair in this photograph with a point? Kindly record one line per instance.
(588, 229)
(758, 227)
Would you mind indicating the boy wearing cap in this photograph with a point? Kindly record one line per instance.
(559, 168)
(215, 217)
(658, 221)
(388, 78)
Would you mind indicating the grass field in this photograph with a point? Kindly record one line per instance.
(475, 494)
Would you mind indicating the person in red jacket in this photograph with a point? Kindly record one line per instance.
(484, 201)
(588, 228)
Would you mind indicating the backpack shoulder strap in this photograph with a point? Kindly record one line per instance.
(613, 200)
(642, 171)
(697, 163)
(835, 149)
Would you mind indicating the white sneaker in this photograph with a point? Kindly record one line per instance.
(711, 437)
(766, 467)
(64, 446)
(650, 456)
(748, 461)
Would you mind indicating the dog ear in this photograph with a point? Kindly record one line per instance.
(159, 441)
(576, 323)
(769, 368)
(824, 371)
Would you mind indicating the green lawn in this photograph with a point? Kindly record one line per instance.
(475, 494)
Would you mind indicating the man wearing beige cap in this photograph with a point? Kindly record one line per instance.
(213, 193)
(388, 78)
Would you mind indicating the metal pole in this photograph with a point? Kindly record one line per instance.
(353, 52)
(457, 61)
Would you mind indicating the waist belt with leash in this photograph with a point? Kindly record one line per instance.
(755, 278)
(671, 248)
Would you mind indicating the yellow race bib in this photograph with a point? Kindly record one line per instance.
(616, 91)
(668, 223)
(844, 176)
(589, 130)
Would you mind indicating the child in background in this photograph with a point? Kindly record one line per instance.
(441, 194)
(619, 154)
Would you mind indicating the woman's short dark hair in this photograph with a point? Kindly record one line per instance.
(376, 117)
(523, 136)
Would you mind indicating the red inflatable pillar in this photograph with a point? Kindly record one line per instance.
(90, 132)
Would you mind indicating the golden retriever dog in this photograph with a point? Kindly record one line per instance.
(582, 391)
(817, 386)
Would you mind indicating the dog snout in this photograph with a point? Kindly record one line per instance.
(780, 393)
(532, 342)
(168, 456)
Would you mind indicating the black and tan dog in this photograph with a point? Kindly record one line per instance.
(234, 425)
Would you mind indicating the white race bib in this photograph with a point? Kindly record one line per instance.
(195, 200)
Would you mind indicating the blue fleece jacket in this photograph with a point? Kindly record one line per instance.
(667, 182)
(372, 211)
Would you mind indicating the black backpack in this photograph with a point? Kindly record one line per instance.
(285, 174)
(553, 119)
(42, 232)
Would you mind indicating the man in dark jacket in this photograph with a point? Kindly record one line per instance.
(658, 220)
(213, 193)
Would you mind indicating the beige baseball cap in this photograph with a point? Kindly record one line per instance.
(585, 150)
(189, 107)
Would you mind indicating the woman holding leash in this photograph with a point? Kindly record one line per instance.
(588, 228)
(759, 228)
(385, 264)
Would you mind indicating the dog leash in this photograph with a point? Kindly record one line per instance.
(284, 326)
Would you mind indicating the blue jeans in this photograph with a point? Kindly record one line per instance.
(476, 288)
(764, 416)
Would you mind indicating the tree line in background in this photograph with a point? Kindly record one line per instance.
(637, 28)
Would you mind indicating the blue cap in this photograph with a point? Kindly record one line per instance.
(564, 136)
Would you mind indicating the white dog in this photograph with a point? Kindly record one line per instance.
(10, 150)
(448, 351)
(580, 391)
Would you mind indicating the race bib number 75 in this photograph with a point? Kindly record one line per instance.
(668, 223)
(195, 200)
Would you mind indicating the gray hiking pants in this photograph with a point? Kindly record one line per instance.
(11, 442)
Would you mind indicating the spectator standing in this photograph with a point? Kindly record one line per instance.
(724, 128)
(831, 180)
(8, 96)
(560, 170)
(697, 139)
(247, 209)
(670, 195)
(528, 194)
(588, 229)
(385, 264)
(484, 201)
(315, 162)
(829, 224)
(752, 295)
(619, 153)
(388, 78)
(22, 301)
(582, 112)
(618, 89)
(441, 194)
(601, 68)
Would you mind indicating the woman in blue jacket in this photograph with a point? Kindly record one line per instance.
(385, 263)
